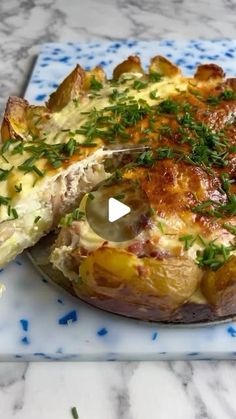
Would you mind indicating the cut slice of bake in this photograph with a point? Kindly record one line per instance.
(48, 160)
(182, 266)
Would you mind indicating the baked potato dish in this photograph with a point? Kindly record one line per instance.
(181, 267)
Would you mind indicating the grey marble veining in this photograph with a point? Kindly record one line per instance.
(152, 390)
(179, 390)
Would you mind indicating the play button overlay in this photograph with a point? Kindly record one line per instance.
(117, 211)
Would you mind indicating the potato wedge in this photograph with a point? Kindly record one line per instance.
(219, 288)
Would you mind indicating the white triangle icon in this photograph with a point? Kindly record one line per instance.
(116, 210)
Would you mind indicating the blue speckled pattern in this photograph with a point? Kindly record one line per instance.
(42, 322)
(56, 60)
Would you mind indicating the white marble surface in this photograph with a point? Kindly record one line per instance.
(176, 390)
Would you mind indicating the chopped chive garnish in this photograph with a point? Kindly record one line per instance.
(214, 208)
(91, 196)
(155, 77)
(116, 95)
(152, 211)
(5, 173)
(120, 196)
(228, 95)
(14, 213)
(38, 172)
(139, 84)
(165, 130)
(18, 149)
(214, 255)
(165, 153)
(146, 158)
(36, 220)
(201, 240)
(4, 200)
(188, 241)
(117, 175)
(6, 146)
(74, 413)
(225, 96)
(213, 100)
(18, 188)
(225, 182)
(230, 228)
(195, 92)
(95, 84)
(153, 94)
(160, 225)
(76, 215)
(70, 147)
(4, 158)
(88, 144)
(168, 106)
(76, 102)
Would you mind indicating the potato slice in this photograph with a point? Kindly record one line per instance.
(71, 88)
(163, 66)
(219, 288)
(131, 65)
(21, 119)
(207, 72)
(118, 274)
(96, 73)
(68, 90)
(15, 119)
(230, 84)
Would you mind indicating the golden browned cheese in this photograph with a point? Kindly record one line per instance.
(173, 188)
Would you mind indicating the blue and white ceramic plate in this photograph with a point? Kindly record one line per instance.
(39, 321)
